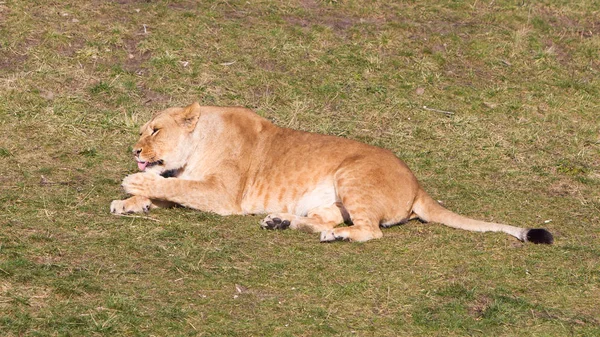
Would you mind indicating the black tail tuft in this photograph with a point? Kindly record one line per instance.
(539, 235)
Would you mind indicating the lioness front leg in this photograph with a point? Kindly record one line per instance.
(209, 195)
(135, 204)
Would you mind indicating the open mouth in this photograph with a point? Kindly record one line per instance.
(142, 165)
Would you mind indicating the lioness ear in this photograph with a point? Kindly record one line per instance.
(189, 116)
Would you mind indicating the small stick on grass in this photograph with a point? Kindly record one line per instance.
(436, 110)
(137, 217)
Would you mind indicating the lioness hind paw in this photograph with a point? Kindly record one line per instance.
(330, 236)
(275, 223)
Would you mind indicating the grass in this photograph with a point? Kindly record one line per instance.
(523, 147)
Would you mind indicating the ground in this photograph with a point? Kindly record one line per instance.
(494, 105)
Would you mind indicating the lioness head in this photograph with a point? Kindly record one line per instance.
(161, 144)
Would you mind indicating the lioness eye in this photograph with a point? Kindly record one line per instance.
(154, 131)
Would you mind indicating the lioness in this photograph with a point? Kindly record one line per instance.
(229, 160)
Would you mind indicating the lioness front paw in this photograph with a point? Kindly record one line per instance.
(134, 204)
(273, 221)
(143, 183)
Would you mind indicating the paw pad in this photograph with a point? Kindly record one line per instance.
(277, 223)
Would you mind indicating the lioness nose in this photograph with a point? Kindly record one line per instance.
(136, 152)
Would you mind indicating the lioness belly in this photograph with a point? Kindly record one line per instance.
(298, 200)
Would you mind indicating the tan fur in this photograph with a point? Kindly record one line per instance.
(229, 160)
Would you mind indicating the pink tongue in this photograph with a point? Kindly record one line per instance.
(142, 165)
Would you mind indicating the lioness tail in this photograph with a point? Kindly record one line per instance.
(429, 210)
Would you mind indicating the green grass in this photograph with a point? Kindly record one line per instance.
(523, 146)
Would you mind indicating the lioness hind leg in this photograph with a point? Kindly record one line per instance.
(362, 205)
(361, 231)
(317, 220)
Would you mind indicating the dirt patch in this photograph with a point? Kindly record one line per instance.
(563, 26)
(297, 21)
(337, 21)
(182, 5)
(129, 2)
(566, 25)
(11, 61)
(309, 4)
(580, 319)
(479, 306)
(135, 58)
(271, 65)
(3, 13)
(563, 188)
(71, 48)
(153, 97)
(560, 52)
(339, 24)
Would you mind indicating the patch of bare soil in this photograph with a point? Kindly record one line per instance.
(69, 49)
(152, 97)
(130, 2)
(271, 65)
(567, 25)
(338, 22)
(478, 308)
(11, 61)
(563, 188)
(4, 10)
(135, 58)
